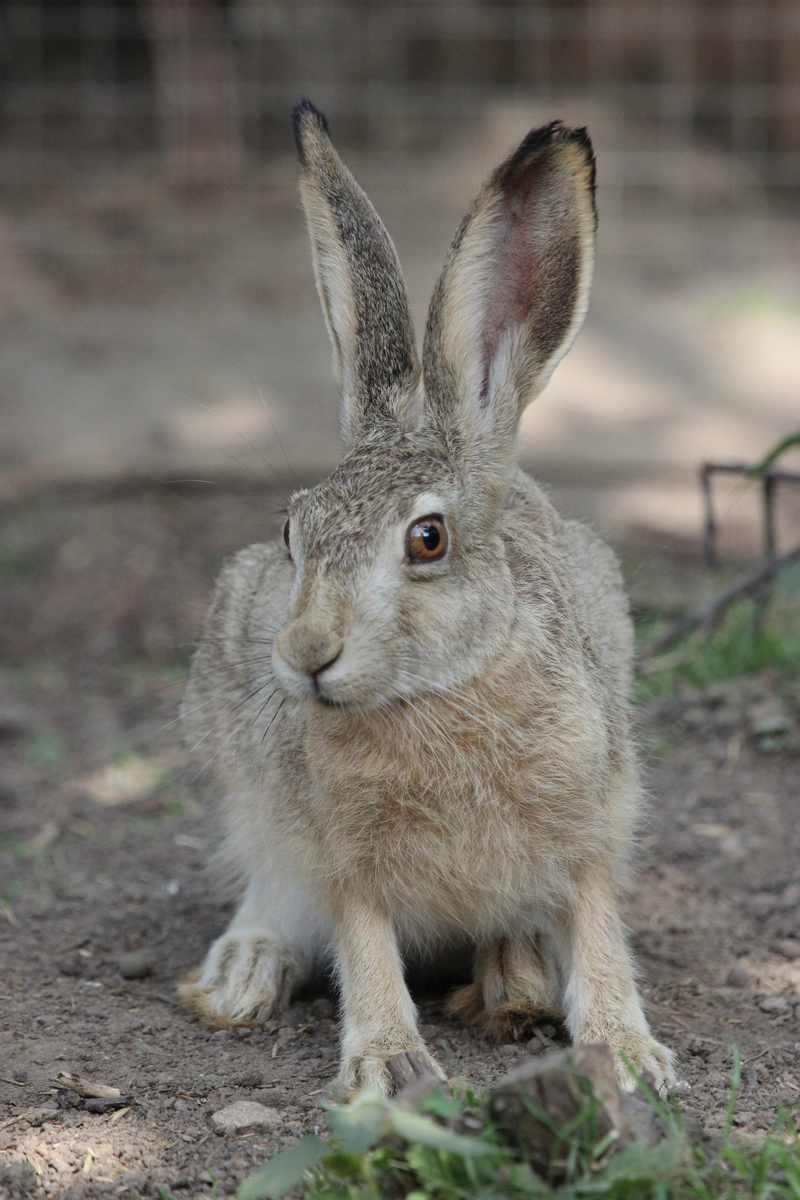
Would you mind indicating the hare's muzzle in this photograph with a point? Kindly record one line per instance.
(308, 651)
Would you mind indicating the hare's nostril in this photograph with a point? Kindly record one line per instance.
(308, 650)
(334, 658)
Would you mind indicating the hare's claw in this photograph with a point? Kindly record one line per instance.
(387, 1072)
(647, 1057)
(637, 1053)
(246, 977)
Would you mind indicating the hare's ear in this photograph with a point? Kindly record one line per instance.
(360, 285)
(514, 289)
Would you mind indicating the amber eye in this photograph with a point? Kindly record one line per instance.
(286, 536)
(426, 540)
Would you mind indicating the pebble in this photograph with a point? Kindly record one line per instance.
(250, 1079)
(739, 976)
(71, 965)
(245, 1116)
(136, 965)
(788, 947)
(773, 1004)
(38, 1116)
(682, 1088)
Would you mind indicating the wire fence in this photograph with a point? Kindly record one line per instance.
(705, 95)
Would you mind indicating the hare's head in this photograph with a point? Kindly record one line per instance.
(401, 582)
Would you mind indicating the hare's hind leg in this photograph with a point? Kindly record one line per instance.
(601, 998)
(514, 986)
(267, 952)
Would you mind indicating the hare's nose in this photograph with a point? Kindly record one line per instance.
(307, 649)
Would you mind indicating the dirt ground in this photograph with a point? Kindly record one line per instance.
(105, 841)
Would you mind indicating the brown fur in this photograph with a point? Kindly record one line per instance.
(415, 755)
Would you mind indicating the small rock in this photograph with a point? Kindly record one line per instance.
(38, 1116)
(768, 717)
(137, 964)
(19, 1178)
(641, 1123)
(71, 964)
(682, 1088)
(21, 1076)
(788, 947)
(773, 1004)
(555, 1086)
(250, 1079)
(739, 976)
(245, 1116)
(105, 1104)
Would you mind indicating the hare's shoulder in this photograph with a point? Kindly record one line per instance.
(570, 549)
(566, 560)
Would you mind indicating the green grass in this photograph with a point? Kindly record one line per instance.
(740, 645)
(382, 1151)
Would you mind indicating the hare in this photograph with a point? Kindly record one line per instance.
(416, 703)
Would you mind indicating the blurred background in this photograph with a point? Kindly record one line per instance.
(158, 315)
(154, 258)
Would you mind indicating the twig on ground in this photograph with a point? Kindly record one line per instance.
(86, 1087)
(707, 616)
(745, 1061)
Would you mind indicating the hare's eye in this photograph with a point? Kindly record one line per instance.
(286, 537)
(426, 540)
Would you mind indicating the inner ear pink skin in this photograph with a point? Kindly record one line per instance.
(534, 263)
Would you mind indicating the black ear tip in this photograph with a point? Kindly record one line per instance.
(554, 134)
(303, 113)
(539, 141)
(580, 137)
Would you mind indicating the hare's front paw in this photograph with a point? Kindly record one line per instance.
(246, 977)
(644, 1054)
(387, 1070)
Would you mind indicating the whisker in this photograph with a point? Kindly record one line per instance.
(238, 433)
(198, 675)
(274, 430)
(246, 466)
(222, 745)
(263, 706)
(272, 721)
